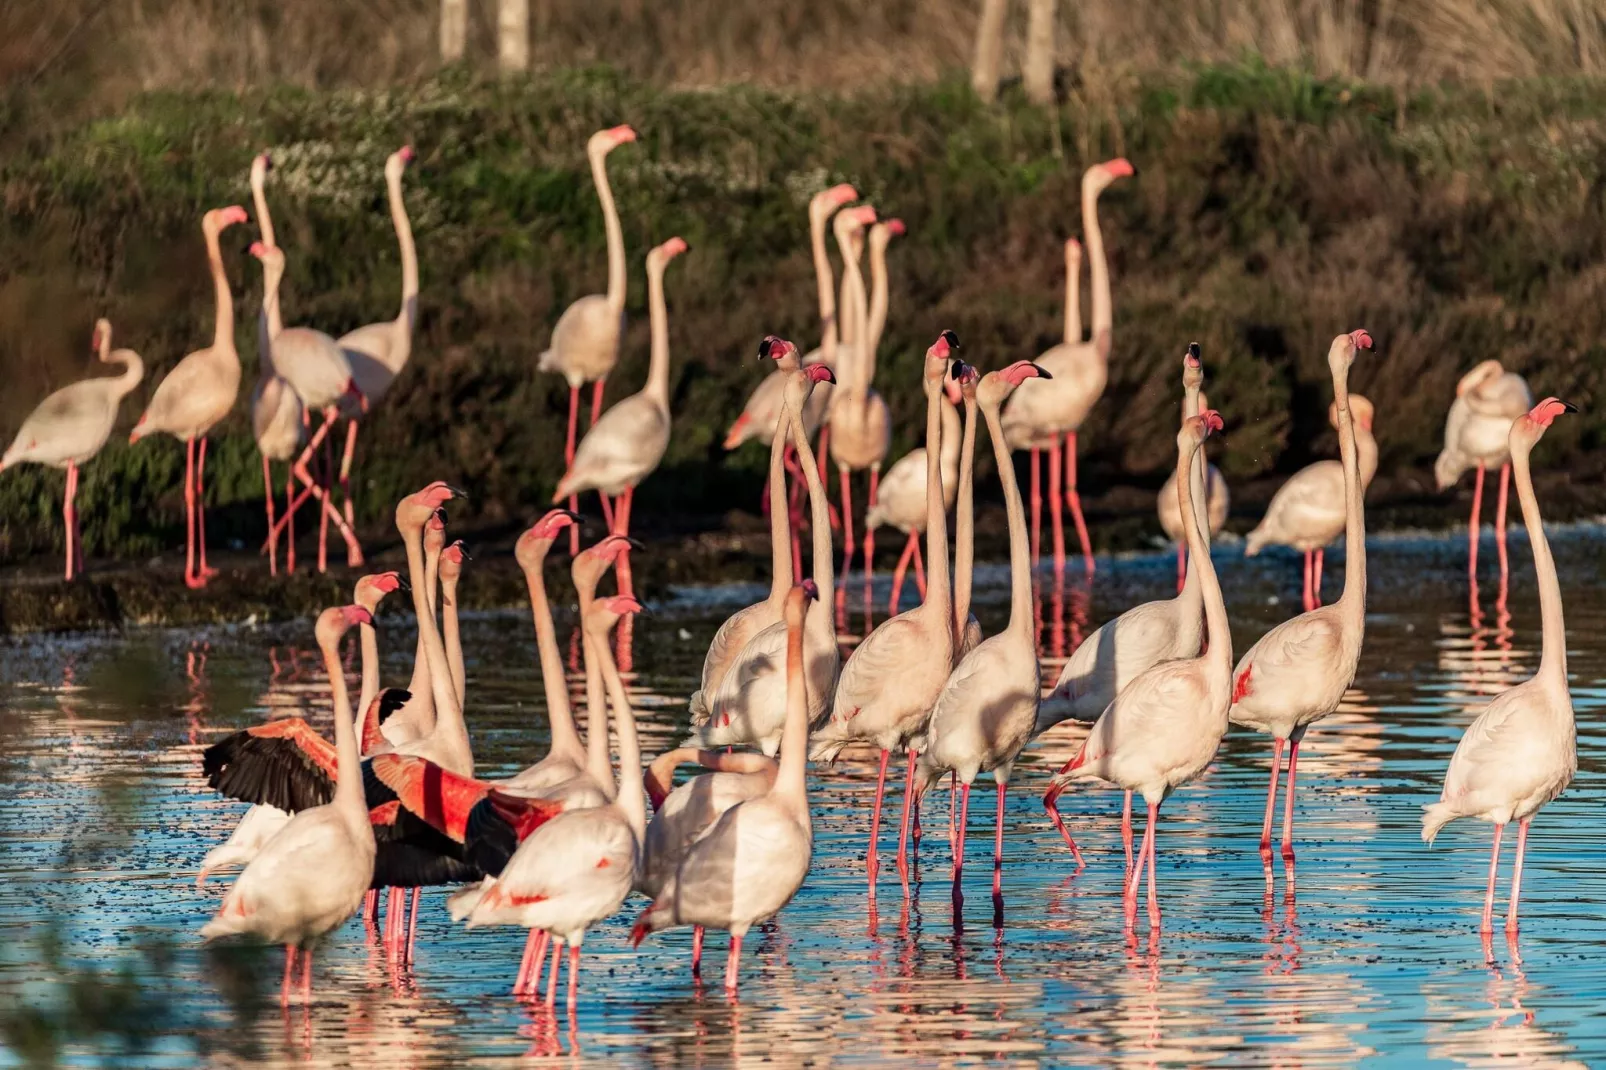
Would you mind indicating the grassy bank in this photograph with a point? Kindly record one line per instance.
(1271, 210)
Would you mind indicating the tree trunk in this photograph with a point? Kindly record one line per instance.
(513, 35)
(989, 49)
(1037, 73)
(454, 29)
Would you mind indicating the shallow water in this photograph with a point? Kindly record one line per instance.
(104, 818)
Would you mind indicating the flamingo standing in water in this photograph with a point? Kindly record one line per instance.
(1309, 511)
(892, 679)
(72, 424)
(1487, 399)
(985, 712)
(1120, 650)
(313, 875)
(1298, 672)
(1163, 729)
(1168, 505)
(901, 498)
(746, 868)
(1522, 750)
(626, 445)
(197, 393)
(1040, 414)
(585, 342)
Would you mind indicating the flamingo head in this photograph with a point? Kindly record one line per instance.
(407, 154)
(823, 203)
(938, 356)
(1195, 429)
(1210, 423)
(1192, 369)
(1120, 167)
(996, 386)
(337, 621)
(591, 563)
(819, 373)
(774, 347)
(606, 612)
(1342, 352)
(219, 218)
(810, 589)
(605, 141)
(1547, 410)
(530, 551)
(669, 250)
(260, 166)
(1485, 372)
(102, 336)
(1073, 249)
(396, 164)
(886, 230)
(415, 510)
(435, 533)
(452, 559)
(1360, 339)
(1098, 177)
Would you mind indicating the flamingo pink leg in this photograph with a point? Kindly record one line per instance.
(345, 474)
(1057, 522)
(69, 516)
(1316, 578)
(267, 498)
(909, 805)
(574, 967)
(1288, 804)
(524, 964)
(898, 571)
(871, 861)
(845, 481)
(289, 970)
(207, 571)
(1271, 801)
(920, 571)
(289, 520)
(1126, 829)
(953, 797)
(1074, 500)
(552, 981)
(353, 551)
(596, 400)
(412, 922)
(732, 961)
(1500, 519)
(1051, 804)
(621, 516)
(1152, 834)
(1037, 507)
(1136, 880)
(1516, 876)
(959, 838)
(998, 846)
(568, 462)
(328, 496)
(1474, 523)
(697, 951)
(1182, 565)
(1488, 896)
(869, 532)
(1305, 598)
(191, 577)
(306, 976)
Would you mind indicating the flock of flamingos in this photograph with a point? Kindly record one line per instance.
(393, 802)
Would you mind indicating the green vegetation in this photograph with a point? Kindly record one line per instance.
(1272, 210)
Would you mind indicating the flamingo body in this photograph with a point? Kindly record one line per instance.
(72, 424)
(620, 450)
(1308, 512)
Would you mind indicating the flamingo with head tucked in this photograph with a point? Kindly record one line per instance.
(1522, 750)
(1487, 400)
(72, 424)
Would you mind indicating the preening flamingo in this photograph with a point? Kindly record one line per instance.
(72, 424)
(985, 712)
(313, 875)
(1164, 727)
(627, 443)
(1038, 415)
(1120, 650)
(1309, 511)
(197, 393)
(585, 341)
(378, 351)
(1487, 399)
(577, 868)
(1522, 750)
(1168, 506)
(1298, 672)
(748, 705)
(893, 677)
(747, 867)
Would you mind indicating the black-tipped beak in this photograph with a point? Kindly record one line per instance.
(635, 543)
(957, 371)
(402, 584)
(1567, 406)
(1194, 351)
(951, 338)
(456, 493)
(766, 347)
(1042, 372)
(574, 517)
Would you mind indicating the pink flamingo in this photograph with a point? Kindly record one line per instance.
(1308, 512)
(1521, 751)
(967, 629)
(585, 342)
(72, 424)
(893, 677)
(1167, 504)
(1163, 729)
(747, 867)
(1039, 415)
(901, 499)
(313, 875)
(1120, 650)
(1298, 672)
(1487, 399)
(378, 352)
(626, 445)
(984, 714)
(197, 393)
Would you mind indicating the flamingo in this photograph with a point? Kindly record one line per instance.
(734, 634)
(197, 393)
(1037, 416)
(313, 875)
(409, 713)
(577, 868)
(743, 707)
(1521, 751)
(1298, 672)
(861, 426)
(1073, 336)
(316, 369)
(378, 352)
(985, 712)
(72, 424)
(1120, 650)
(1487, 399)
(1308, 512)
(1216, 499)
(628, 442)
(452, 558)
(892, 679)
(1165, 726)
(585, 342)
(967, 629)
(747, 867)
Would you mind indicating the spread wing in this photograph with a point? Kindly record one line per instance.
(283, 763)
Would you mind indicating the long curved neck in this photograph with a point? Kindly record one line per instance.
(259, 201)
(596, 700)
(348, 763)
(825, 285)
(133, 370)
(631, 798)
(616, 234)
(223, 315)
(939, 595)
(851, 373)
(1366, 456)
(409, 257)
(1103, 311)
(1553, 630)
(448, 714)
(1020, 559)
(1354, 597)
(1189, 597)
(454, 639)
(965, 522)
(1219, 656)
(1073, 296)
(824, 572)
(370, 667)
(780, 532)
(658, 315)
(791, 780)
(565, 737)
(879, 298)
(421, 686)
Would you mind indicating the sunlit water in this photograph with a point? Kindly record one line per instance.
(104, 818)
